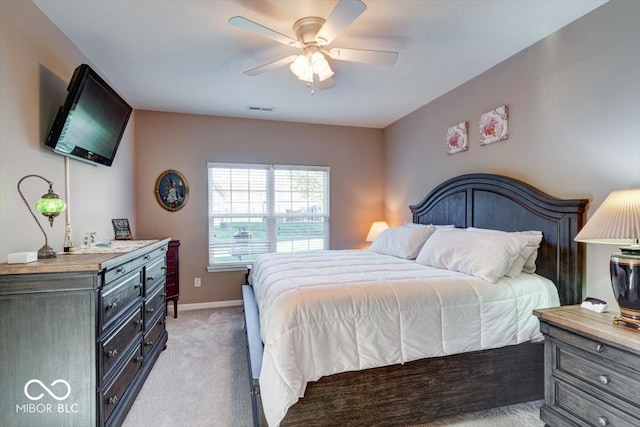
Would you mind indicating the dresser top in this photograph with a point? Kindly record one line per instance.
(90, 259)
(597, 325)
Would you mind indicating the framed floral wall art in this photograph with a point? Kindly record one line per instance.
(494, 125)
(457, 138)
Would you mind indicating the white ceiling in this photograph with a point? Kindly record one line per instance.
(183, 56)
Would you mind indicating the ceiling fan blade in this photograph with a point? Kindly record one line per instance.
(326, 84)
(270, 66)
(375, 57)
(245, 24)
(345, 12)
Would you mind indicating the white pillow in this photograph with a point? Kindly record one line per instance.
(402, 242)
(529, 253)
(488, 256)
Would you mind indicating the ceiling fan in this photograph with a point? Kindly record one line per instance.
(313, 35)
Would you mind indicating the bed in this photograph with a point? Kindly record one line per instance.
(419, 390)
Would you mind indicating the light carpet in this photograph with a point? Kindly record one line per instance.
(201, 380)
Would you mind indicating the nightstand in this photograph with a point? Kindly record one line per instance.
(592, 369)
(172, 284)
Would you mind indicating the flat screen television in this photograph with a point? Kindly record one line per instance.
(90, 124)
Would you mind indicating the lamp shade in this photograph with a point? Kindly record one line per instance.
(376, 228)
(616, 221)
(299, 65)
(50, 204)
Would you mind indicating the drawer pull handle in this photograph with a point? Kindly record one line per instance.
(149, 310)
(112, 306)
(603, 421)
(121, 270)
(600, 348)
(147, 257)
(112, 353)
(148, 343)
(139, 359)
(138, 322)
(151, 278)
(112, 400)
(604, 379)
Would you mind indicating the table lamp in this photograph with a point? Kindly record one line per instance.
(50, 205)
(617, 221)
(376, 228)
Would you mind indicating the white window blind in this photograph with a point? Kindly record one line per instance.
(256, 209)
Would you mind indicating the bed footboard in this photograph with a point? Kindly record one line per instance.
(424, 390)
(254, 351)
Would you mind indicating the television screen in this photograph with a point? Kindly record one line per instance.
(91, 122)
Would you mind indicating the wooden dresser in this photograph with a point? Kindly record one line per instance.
(172, 286)
(80, 334)
(592, 369)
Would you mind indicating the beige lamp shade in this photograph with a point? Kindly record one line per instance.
(616, 221)
(376, 228)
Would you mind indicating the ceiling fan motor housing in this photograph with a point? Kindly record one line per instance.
(307, 28)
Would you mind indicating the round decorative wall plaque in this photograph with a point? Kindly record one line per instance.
(172, 190)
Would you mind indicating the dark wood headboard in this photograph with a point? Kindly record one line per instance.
(507, 204)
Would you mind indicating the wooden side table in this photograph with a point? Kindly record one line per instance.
(172, 284)
(592, 369)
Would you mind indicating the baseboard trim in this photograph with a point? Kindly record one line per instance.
(203, 305)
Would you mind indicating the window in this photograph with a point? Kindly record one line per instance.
(256, 209)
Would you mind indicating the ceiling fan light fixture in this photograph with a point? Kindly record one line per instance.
(319, 63)
(305, 66)
(299, 66)
(325, 74)
(307, 76)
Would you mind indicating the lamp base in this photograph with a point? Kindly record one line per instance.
(625, 281)
(46, 252)
(625, 321)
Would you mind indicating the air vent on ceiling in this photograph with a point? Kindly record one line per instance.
(254, 108)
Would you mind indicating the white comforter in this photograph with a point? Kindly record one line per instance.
(333, 311)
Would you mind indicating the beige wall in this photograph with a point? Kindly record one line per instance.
(36, 64)
(574, 123)
(186, 142)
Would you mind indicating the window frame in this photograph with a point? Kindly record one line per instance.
(271, 217)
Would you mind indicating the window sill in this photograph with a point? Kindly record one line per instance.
(222, 268)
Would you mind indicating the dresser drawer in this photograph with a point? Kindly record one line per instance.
(154, 274)
(153, 305)
(157, 253)
(118, 296)
(111, 396)
(590, 412)
(117, 272)
(599, 373)
(153, 334)
(115, 345)
(600, 349)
